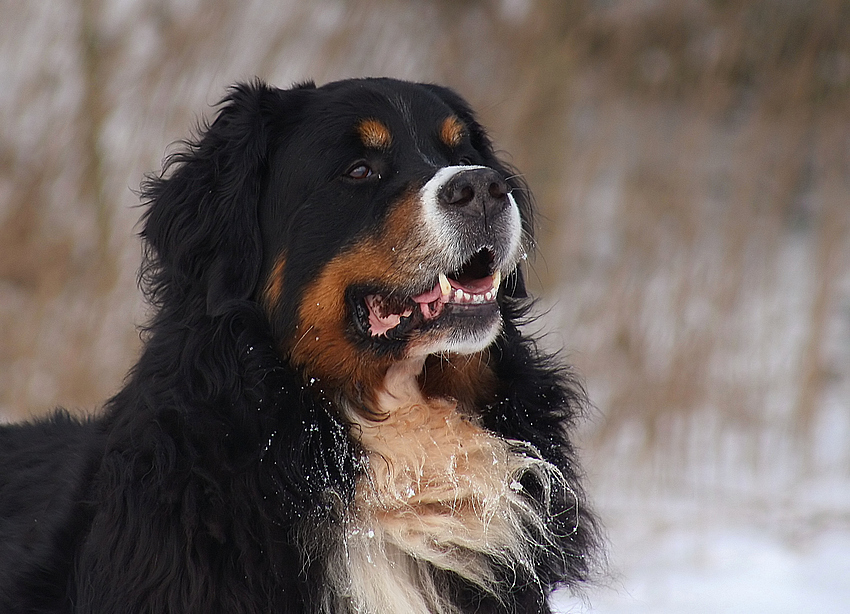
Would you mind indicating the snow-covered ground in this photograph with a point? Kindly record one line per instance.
(729, 569)
(769, 545)
(710, 567)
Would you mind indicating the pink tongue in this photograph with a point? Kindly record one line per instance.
(429, 302)
(428, 297)
(473, 286)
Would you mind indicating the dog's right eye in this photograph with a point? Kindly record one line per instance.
(359, 171)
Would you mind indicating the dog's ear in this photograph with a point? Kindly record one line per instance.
(201, 225)
(514, 285)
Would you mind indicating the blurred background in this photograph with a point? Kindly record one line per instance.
(691, 161)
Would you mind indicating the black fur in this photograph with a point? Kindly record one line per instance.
(205, 483)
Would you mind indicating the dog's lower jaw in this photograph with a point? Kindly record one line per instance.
(459, 340)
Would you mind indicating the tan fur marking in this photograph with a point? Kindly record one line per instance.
(274, 285)
(452, 131)
(374, 134)
(321, 344)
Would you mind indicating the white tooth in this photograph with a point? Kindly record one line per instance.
(459, 294)
(489, 295)
(478, 298)
(497, 279)
(445, 286)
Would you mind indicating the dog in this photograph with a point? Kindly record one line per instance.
(336, 409)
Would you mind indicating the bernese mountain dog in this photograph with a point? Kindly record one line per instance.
(336, 409)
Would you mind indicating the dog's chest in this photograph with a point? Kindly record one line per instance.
(428, 469)
(439, 493)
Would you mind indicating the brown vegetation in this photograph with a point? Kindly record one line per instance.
(691, 161)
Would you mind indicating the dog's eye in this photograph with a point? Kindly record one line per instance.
(360, 171)
(464, 161)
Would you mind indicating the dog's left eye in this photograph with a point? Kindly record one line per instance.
(360, 171)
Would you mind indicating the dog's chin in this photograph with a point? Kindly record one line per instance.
(462, 330)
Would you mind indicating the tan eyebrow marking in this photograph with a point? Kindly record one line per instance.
(452, 131)
(374, 134)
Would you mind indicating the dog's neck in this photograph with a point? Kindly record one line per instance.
(400, 387)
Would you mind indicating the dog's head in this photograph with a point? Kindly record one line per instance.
(371, 220)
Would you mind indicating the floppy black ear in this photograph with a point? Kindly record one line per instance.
(514, 285)
(201, 225)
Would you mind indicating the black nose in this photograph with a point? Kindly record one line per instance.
(475, 192)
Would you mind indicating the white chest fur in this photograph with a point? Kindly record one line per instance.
(440, 492)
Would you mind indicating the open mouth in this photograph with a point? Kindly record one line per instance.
(469, 291)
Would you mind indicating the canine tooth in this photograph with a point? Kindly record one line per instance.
(445, 286)
(497, 279)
